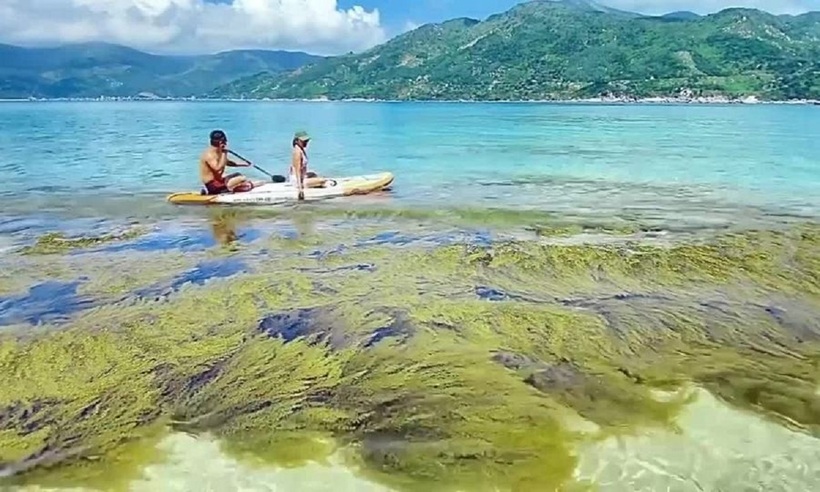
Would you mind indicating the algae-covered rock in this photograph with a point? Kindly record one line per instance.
(447, 368)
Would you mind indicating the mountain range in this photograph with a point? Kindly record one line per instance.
(540, 49)
(101, 69)
(568, 49)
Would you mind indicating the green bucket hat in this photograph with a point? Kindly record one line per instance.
(301, 135)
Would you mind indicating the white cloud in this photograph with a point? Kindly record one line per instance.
(409, 26)
(709, 6)
(186, 26)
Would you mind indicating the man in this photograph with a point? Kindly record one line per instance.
(212, 164)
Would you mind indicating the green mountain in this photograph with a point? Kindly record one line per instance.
(100, 69)
(569, 49)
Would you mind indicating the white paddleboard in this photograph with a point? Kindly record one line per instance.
(275, 193)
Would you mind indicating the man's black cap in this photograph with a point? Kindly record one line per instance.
(218, 136)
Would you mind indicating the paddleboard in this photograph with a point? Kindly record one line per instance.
(277, 193)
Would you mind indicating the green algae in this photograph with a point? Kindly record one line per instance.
(102, 275)
(415, 377)
(305, 217)
(288, 449)
(113, 471)
(119, 276)
(57, 242)
(568, 229)
(16, 277)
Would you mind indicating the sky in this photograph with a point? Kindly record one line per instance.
(323, 27)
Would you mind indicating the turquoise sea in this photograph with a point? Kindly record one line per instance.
(493, 322)
(688, 162)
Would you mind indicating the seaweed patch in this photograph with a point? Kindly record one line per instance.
(409, 371)
(299, 323)
(400, 328)
(57, 242)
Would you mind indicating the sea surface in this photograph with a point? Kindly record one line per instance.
(136, 309)
(683, 162)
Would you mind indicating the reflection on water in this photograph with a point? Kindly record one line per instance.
(198, 275)
(45, 302)
(223, 226)
(717, 448)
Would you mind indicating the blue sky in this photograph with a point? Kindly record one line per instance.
(324, 27)
(396, 15)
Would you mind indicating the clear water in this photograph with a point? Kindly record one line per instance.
(701, 164)
(718, 448)
(682, 161)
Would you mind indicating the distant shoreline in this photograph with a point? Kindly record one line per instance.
(711, 100)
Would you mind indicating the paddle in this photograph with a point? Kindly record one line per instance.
(276, 178)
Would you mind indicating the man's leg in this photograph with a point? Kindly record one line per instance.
(239, 183)
(215, 188)
(315, 182)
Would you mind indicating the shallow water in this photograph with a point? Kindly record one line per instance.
(681, 162)
(275, 289)
(718, 448)
(744, 452)
(184, 473)
(466, 335)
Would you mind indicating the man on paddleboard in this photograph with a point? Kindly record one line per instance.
(212, 164)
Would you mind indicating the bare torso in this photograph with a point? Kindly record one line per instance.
(298, 161)
(299, 167)
(212, 165)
